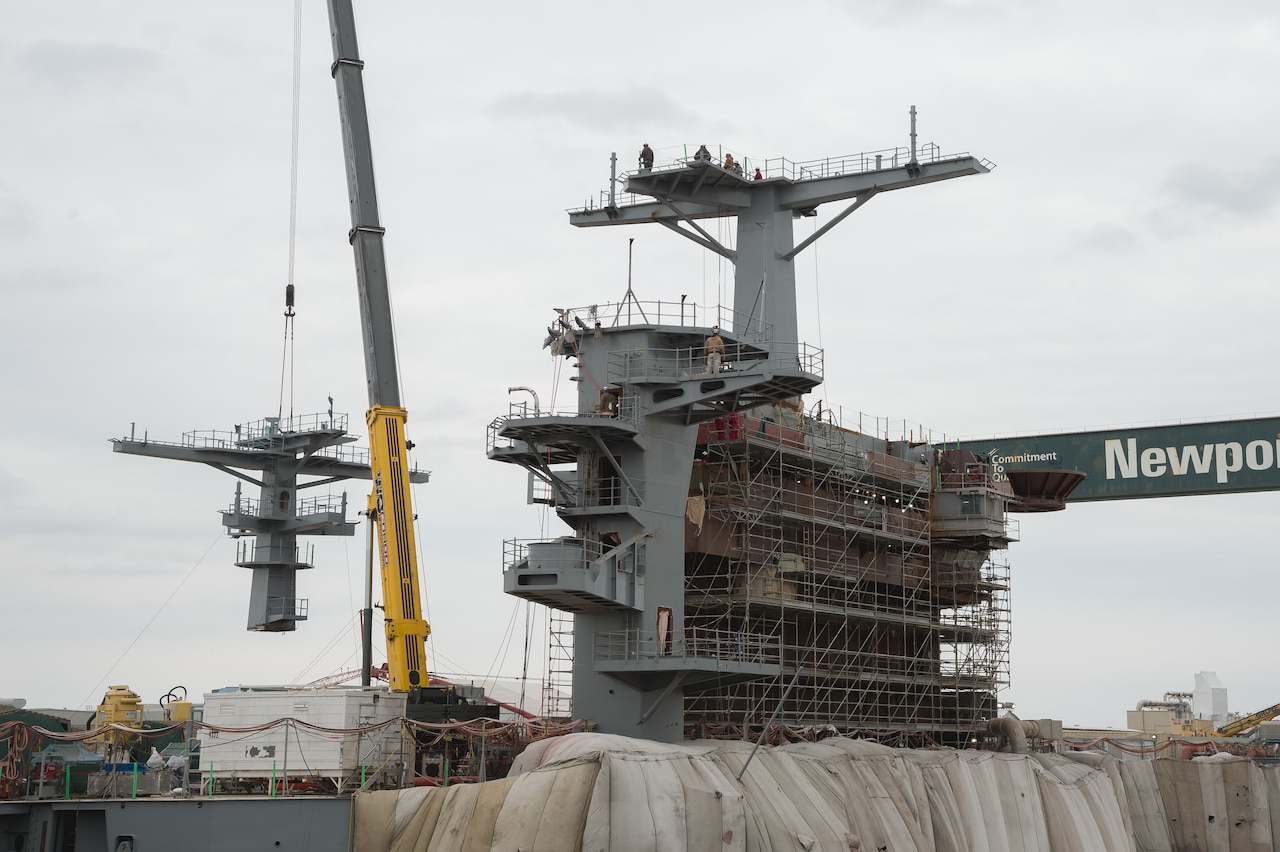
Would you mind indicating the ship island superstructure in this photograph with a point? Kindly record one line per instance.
(736, 561)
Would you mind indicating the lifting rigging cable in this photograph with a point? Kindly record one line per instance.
(286, 365)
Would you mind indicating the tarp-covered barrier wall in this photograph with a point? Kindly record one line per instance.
(603, 793)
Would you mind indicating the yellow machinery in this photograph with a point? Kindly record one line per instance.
(406, 630)
(120, 706)
(1244, 723)
(175, 708)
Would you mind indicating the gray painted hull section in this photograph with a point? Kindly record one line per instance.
(312, 823)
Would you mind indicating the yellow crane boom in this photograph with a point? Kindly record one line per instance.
(406, 630)
(1244, 723)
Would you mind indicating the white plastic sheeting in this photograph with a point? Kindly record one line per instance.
(597, 792)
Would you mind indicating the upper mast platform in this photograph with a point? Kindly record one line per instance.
(707, 182)
(678, 194)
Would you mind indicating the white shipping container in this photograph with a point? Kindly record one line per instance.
(340, 751)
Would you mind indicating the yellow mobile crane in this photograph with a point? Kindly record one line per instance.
(390, 504)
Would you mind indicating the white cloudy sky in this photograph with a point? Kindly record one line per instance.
(1119, 266)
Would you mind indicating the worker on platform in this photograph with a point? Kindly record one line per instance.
(730, 165)
(713, 346)
(702, 154)
(646, 157)
(608, 406)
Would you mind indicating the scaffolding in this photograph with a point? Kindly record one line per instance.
(557, 688)
(892, 613)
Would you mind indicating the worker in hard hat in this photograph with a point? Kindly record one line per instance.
(713, 346)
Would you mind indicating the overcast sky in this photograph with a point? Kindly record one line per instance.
(1119, 266)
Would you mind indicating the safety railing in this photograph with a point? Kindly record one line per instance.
(287, 608)
(611, 492)
(326, 505)
(265, 430)
(625, 410)
(330, 504)
(359, 457)
(582, 320)
(247, 551)
(692, 362)
(864, 513)
(852, 664)
(679, 157)
(689, 643)
(280, 758)
(348, 454)
(516, 550)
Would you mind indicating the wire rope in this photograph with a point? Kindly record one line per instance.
(338, 637)
(504, 646)
(150, 621)
(287, 359)
(297, 111)
(430, 648)
(528, 650)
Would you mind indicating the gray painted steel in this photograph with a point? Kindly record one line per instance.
(283, 451)
(630, 486)
(764, 276)
(366, 230)
(313, 823)
(1220, 457)
(634, 659)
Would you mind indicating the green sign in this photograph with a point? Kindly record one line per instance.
(1159, 461)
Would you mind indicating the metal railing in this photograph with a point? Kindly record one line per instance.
(689, 643)
(265, 430)
(782, 168)
(280, 608)
(609, 492)
(691, 362)
(326, 505)
(683, 314)
(516, 550)
(247, 550)
(206, 761)
(627, 411)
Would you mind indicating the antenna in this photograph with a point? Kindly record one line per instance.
(630, 298)
(613, 179)
(914, 161)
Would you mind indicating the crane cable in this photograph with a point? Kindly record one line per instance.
(287, 356)
(217, 538)
(286, 365)
(286, 360)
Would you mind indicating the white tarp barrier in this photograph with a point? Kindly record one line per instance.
(604, 793)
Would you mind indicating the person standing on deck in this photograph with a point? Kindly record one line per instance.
(646, 157)
(713, 346)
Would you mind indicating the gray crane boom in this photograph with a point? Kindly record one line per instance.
(366, 229)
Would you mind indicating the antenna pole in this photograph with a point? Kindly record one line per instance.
(613, 179)
(913, 135)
